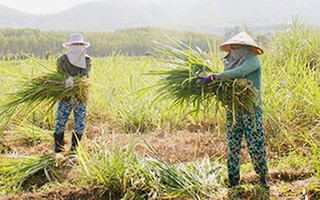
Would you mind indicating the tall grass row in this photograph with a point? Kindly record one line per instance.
(291, 94)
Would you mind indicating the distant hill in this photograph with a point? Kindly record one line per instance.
(10, 18)
(196, 15)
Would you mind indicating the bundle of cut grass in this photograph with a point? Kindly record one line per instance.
(179, 81)
(51, 88)
(26, 172)
(43, 92)
(237, 94)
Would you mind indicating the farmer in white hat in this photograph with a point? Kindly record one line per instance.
(75, 62)
(242, 62)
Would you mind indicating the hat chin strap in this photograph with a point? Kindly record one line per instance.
(77, 56)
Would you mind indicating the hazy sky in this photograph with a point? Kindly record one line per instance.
(41, 6)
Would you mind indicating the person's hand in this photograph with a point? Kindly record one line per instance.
(207, 79)
(69, 82)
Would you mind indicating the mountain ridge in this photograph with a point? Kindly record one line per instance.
(195, 15)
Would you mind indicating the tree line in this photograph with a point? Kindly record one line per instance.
(131, 41)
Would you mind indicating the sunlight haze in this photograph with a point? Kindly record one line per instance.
(41, 6)
(196, 15)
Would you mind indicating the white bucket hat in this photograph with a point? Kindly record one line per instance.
(242, 38)
(76, 38)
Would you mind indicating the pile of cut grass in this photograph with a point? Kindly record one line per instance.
(124, 173)
(23, 173)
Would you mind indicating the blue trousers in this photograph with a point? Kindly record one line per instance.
(251, 126)
(63, 113)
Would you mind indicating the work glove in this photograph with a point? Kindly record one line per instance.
(69, 82)
(207, 79)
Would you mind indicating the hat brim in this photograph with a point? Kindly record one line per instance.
(86, 44)
(227, 46)
(242, 38)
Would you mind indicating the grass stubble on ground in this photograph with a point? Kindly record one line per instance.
(175, 146)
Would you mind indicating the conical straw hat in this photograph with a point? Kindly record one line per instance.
(242, 38)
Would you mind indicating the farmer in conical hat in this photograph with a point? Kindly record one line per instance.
(242, 62)
(75, 62)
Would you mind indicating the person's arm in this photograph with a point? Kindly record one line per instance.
(250, 65)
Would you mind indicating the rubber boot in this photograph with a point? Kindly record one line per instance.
(233, 182)
(75, 140)
(263, 181)
(58, 142)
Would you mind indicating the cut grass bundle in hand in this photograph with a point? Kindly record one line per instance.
(237, 94)
(179, 81)
(43, 92)
(51, 88)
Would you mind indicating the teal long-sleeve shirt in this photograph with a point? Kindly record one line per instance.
(249, 69)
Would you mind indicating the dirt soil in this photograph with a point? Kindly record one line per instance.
(182, 146)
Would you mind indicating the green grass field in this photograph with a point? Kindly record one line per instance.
(136, 148)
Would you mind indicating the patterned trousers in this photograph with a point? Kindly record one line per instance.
(252, 127)
(63, 113)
